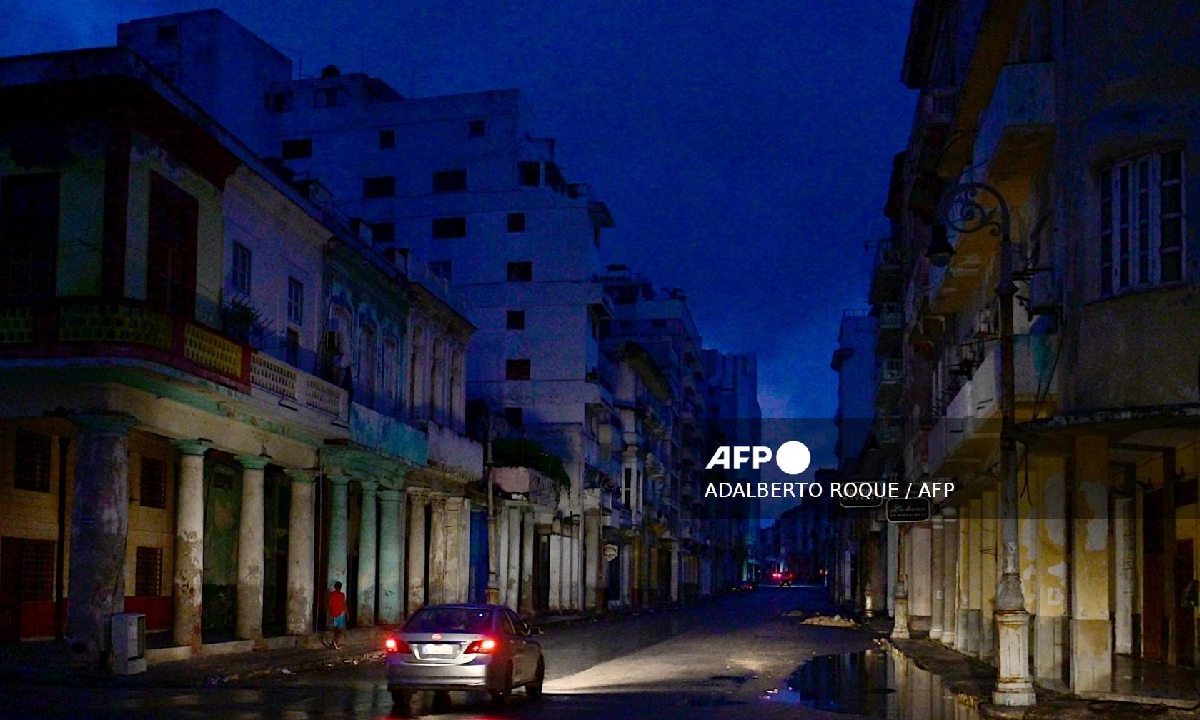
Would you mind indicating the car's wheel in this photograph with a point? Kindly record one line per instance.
(500, 695)
(402, 699)
(534, 688)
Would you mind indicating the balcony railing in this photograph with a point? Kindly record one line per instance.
(289, 383)
(99, 328)
(95, 327)
(969, 426)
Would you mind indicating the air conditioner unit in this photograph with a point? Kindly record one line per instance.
(129, 643)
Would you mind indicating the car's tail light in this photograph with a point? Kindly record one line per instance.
(396, 645)
(485, 645)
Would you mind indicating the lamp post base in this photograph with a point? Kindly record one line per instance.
(1014, 687)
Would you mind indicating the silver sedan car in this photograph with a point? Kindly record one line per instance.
(464, 647)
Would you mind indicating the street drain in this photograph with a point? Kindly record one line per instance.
(739, 679)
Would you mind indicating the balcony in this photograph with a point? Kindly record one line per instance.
(538, 488)
(951, 288)
(297, 389)
(969, 429)
(98, 328)
(887, 274)
(1016, 131)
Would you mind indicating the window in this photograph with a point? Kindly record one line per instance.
(296, 149)
(516, 222)
(368, 360)
(389, 372)
(278, 102)
(377, 187)
(384, 232)
(627, 487)
(658, 323)
(514, 417)
(148, 572)
(240, 275)
(28, 236)
(166, 34)
(516, 369)
(530, 173)
(477, 128)
(169, 71)
(387, 139)
(329, 97)
(449, 227)
(440, 269)
(35, 578)
(450, 181)
(292, 347)
(515, 320)
(31, 462)
(520, 271)
(154, 484)
(171, 257)
(1141, 222)
(295, 301)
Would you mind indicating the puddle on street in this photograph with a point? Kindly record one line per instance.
(878, 683)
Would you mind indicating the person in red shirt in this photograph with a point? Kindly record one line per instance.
(337, 616)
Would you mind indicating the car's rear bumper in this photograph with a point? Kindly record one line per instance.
(412, 676)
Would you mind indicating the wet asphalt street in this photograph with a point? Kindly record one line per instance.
(725, 658)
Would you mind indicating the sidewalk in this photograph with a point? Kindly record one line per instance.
(1141, 689)
(44, 663)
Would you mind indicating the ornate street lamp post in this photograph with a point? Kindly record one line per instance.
(966, 208)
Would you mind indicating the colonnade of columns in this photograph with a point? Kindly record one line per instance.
(1079, 556)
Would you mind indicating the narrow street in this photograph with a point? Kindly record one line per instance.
(727, 658)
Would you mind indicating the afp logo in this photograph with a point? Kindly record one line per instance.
(792, 457)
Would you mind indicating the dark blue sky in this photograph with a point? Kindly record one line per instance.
(743, 147)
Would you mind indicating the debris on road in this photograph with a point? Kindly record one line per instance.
(830, 621)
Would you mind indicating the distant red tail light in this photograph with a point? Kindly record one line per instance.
(483, 646)
(396, 645)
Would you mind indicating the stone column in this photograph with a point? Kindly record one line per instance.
(525, 602)
(975, 581)
(1091, 627)
(500, 552)
(900, 602)
(301, 584)
(1124, 537)
(937, 547)
(416, 551)
(454, 565)
(336, 568)
(390, 605)
(250, 549)
(512, 573)
(437, 551)
(188, 583)
(594, 571)
(99, 530)
(464, 524)
(964, 577)
(366, 555)
(989, 574)
(950, 577)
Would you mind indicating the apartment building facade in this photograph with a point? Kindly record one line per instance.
(1079, 130)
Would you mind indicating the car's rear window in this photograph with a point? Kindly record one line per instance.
(450, 620)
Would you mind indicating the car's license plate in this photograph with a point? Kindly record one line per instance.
(441, 649)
